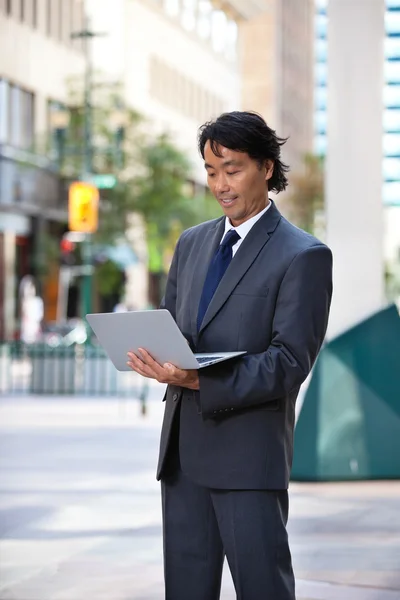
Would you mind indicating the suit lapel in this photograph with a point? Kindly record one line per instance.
(248, 251)
(207, 250)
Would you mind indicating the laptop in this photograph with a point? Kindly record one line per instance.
(155, 331)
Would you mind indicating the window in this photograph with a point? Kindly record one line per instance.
(391, 169)
(391, 144)
(392, 47)
(49, 17)
(391, 121)
(391, 96)
(4, 108)
(392, 71)
(392, 22)
(16, 115)
(34, 14)
(391, 192)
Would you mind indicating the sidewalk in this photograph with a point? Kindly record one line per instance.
(80, 514)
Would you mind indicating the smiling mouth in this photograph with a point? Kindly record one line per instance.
(227, 201)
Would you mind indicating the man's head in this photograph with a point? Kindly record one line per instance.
(242, 159)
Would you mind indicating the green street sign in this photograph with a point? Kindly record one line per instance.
(103, 181)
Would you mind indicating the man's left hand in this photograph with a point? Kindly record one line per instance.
(167, 373)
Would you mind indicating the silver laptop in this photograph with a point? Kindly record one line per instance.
(153, 330)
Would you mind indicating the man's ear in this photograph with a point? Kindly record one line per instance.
(269, 169)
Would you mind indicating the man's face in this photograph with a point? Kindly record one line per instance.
(238, 182)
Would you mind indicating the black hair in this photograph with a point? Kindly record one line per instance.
(247, 132)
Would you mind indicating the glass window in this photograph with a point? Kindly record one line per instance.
(392, 71)
(27, 120)
(320, 73)
(49, 17)
(15, 116)
(392, 47)
(391, 96)
(391, 192)
(320, 121)
(391, 120)
(320, 97)
(391, 169)
(320, 145)
(392, 21)
(4, 110)
(393, 3)
(391, 144)
(34, 13)
(321, 50)
(321, 26)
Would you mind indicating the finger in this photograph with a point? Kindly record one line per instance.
(139, 366)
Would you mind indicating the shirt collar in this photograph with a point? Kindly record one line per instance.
(245, 227)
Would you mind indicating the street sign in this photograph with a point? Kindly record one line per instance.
(83, 207)
(103, 181)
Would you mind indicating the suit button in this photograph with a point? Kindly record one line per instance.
(175, 397)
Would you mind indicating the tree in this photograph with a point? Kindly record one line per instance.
(305, 199)
(153, 177)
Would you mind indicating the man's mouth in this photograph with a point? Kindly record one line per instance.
(227, 201)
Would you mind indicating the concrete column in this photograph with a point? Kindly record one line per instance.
(354, 159)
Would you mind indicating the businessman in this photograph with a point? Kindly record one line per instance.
(250, 281)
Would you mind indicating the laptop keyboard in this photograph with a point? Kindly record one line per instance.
(203, 359)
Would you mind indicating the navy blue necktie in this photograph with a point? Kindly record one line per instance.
(215, 272)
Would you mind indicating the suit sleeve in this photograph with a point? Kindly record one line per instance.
(299, 327)
(171, 288)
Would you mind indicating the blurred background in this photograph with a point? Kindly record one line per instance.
(100, 104)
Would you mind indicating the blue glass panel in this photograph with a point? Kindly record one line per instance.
(391, 169)
(392, 22)
(392, 47)
(391, 121)
(392, 71)
(320, 145)
(391, 192)
(391, 96)
(391, 144)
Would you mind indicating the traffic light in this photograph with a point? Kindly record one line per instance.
(67, 253)
(83, 205)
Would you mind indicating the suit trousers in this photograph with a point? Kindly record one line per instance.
(203, 525)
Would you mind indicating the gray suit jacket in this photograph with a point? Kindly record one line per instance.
(273, 302)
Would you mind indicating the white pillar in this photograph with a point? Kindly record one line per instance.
(354, 159)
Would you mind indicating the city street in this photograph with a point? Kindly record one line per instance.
(81, 520)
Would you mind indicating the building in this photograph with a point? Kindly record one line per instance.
(391, 114)
(178, 68)
(37, 55)
(276, 69)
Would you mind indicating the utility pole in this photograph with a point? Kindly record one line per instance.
(87, 166)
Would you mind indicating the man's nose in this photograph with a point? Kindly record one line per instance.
(221, 184)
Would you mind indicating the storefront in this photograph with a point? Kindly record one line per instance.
(33, 212)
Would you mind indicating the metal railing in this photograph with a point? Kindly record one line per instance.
(81, 369)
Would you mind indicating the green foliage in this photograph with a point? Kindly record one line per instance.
(108, 278)
(153, 175)
(305, 198)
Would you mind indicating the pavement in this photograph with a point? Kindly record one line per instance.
(80, 514)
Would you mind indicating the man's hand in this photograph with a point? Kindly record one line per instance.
(148, 367)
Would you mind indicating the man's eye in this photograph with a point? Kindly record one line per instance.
(211, 174)
(232, 172)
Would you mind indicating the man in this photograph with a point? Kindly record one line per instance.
(246, 281)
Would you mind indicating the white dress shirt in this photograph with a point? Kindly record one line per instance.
(244, 228)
